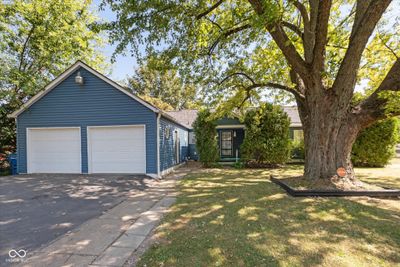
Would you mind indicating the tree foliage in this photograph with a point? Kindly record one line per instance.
(315, 52)
(164, 84)
(157, 102)
(39, 40)
(297, 150)
(267, 135)
(206, 138)
(375, 145)
(240, 48)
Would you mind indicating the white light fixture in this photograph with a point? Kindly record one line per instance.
(79, 78)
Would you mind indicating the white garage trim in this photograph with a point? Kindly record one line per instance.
(89, 145)
(28, 145)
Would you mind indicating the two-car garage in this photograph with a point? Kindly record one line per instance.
(110, 149)
(83, 122)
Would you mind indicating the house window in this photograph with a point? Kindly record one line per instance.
(226, 143)
(192, 138)
(298, 135)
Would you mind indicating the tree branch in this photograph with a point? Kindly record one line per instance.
(237, 74)
(284, 43)
(288, 50)
(318, 62)
(25, 46)
(267, 84)
(392, 79)
(309, 32)
(361, 8)
(205, 13)
(373, 107)
(365, 23)
(293, 27)
(227, 34)
(214, 23)
(388, 47)
(303, 12)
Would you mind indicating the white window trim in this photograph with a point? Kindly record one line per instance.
(158, 145)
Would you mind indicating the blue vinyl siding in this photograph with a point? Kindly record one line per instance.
(96, 103)
(193, 154)
(167, 147)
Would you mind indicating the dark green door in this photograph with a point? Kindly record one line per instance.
(226, 144)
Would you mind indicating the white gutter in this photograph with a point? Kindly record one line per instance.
(158, 144)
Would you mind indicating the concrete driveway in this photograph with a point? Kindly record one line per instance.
(36, 209)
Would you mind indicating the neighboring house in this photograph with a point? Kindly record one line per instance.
(83, 122)
(231, 132)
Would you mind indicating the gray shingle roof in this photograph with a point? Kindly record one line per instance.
(185, 117)
(293, 114)
(188, 116)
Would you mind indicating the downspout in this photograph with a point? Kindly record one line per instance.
(17, 146)
(158, 145)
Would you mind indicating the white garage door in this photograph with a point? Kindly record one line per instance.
(54, 150)
(116, 149)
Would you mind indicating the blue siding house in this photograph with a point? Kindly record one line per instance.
(83, 122)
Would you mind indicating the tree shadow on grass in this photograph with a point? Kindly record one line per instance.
(239, 218)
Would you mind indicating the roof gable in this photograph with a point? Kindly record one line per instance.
(79, 64)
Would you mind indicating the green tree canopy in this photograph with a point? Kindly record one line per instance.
(317, 51)
(154, 79)
(238, 49)
(39, 40)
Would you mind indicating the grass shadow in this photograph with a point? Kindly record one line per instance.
(227, 217)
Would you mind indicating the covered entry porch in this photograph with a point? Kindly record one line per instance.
(229, 141)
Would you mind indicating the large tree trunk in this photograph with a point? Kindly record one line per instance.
(329, 134)
(327, 149)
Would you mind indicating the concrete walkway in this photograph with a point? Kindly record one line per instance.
(111, 238)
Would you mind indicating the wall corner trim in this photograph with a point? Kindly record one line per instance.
(158, 143)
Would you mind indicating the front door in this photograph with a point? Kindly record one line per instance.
(226, 144)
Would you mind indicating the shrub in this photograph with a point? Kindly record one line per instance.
(266, 140)
(238, 165)
(298, 150)
(375, 146)
(206, 138)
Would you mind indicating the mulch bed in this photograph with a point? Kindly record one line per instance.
(319, 192)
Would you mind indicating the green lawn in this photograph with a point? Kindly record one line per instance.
(228, 217)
